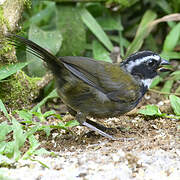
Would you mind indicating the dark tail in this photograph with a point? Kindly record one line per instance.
(34, 49)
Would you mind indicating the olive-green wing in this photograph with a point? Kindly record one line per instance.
(108, 78)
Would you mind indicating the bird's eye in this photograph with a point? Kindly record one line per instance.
(151, 63)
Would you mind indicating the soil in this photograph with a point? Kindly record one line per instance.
(148, 148)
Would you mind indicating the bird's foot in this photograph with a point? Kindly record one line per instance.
(81, 118)
(101, 132)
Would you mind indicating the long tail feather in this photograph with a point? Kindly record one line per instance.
(29, 50)
(33, 48)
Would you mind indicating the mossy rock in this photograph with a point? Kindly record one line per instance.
(19, 90)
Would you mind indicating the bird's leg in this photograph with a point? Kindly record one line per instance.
(81, 118)
(97, 125)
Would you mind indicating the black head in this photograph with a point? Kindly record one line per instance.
(145, 65)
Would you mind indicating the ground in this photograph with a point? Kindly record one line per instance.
(148, 148)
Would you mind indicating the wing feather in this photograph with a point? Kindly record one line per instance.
(108, 78)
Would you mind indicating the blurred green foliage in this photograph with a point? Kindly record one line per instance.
(70, 24)
(15, 134)
(94, 29)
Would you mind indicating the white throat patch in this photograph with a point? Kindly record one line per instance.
(146, 82)
(137, 62)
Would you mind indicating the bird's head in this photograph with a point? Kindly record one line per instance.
(145, 65)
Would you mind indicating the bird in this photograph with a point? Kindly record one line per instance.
(98, 89)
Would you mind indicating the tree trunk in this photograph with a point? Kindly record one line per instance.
(19, 90)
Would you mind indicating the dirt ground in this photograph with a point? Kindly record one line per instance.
(148, 149)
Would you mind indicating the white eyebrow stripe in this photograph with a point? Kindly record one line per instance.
(132, 64)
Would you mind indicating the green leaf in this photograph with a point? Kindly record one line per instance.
(19, 138)
(32, 130)
(124, 41)
(3, 145)
(175, 103)
(100, 53)
(46, 129)
(62, 126)
(58, 116)
(150, 110)
(50, 40)
(3, 109)
(72, 28)
(49, 113)
(156, 81)
(147, 18)
(53, 94)
(40, 162)
(167, 86)
(172, 38)
(136, 44)
(8, 70)
(4, 130)
(165, 6)
(41, 152)
(7, 148)
(146, 26)
(142, 32)
(177, 90)
(25, 114)
(176, 75)
(39, 115)
(34, 144)
(170, 55)
(96, 29)
(72, 123)
(44, 14)
(110, 23)
(151, 43)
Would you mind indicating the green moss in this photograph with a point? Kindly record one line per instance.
(27, 3)
(19, 90)
(4, 47)
(3, 20)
